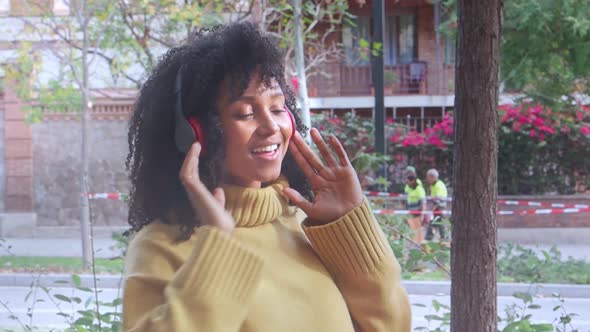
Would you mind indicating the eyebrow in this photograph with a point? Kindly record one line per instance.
(253, 98)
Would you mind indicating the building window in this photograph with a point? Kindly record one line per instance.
(450, 50)
(351, 39)
(399, 40)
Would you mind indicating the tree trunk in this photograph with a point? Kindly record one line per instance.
(300, 63)
(85, 227)
(473, 256)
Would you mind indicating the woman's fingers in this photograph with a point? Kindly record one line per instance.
(301, 161)
(308, 154)
(189, 172)
(296, 198)
(342, 155)
(323, 147)
(219, 195)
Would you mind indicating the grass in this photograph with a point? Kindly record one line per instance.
(57, 265)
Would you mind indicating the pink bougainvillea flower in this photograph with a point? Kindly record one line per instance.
(413, 139)
(295, 83)
(538, 122)
(533, 133)
(541, 137)
(436, 141)
(585, 130)
(522, 119)
(580, 116)
(448, 130)
(536, 110)
(547, 129)
(395, 138)
(516, 126)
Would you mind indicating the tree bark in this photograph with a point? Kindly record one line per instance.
(300, 63)
(85, 227)
(473, 255)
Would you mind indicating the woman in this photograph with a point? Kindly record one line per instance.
(220, 245)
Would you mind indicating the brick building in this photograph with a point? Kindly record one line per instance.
(419, 71)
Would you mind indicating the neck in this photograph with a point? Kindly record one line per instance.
(228, 179)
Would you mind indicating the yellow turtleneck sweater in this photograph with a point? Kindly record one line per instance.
(271, 274)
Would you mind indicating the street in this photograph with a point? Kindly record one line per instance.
(45, 313)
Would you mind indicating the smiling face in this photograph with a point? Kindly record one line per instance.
(257, 129)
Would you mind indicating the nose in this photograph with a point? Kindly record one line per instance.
(267, 125)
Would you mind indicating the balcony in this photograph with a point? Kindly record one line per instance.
(338, 79)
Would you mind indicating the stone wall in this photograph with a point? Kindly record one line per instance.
(57, 162)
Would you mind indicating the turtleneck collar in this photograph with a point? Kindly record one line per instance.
(251, 207)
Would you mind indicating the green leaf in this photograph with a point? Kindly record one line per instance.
(542, 327)
(525, 297)
(62, 298)
(76, 280)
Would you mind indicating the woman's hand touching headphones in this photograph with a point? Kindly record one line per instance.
(209, 207)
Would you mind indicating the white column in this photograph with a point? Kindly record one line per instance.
(60, 7)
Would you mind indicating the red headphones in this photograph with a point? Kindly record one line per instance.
(189, 130)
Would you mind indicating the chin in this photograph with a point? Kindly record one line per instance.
(270, 176)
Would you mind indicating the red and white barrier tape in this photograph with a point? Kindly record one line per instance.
(543, 211)
(556, 207)
(500, 202)
(109, 196)
(500, 212)
(540, 204)
(386, 194)
(414, 212)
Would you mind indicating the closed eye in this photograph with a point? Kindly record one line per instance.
(244, 116)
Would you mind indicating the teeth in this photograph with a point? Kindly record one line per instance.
(269, 148)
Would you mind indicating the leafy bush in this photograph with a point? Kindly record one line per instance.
(540, 151)
(519, 264)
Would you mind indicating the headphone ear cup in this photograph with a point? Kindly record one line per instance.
(293, 124)
(199, 133)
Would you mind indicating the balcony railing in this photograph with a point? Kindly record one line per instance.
(408, 78)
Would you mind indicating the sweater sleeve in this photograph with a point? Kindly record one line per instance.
(211, 291)
(356, 252)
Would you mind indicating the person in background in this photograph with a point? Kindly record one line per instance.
(416, 202)
(438, 192)
(411, 170)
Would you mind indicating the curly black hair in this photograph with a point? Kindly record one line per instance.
(233, 53)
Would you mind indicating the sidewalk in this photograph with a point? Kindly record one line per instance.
(72, 247)
(56, 247)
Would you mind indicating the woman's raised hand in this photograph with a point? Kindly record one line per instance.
(334, 182)
(209, 207)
